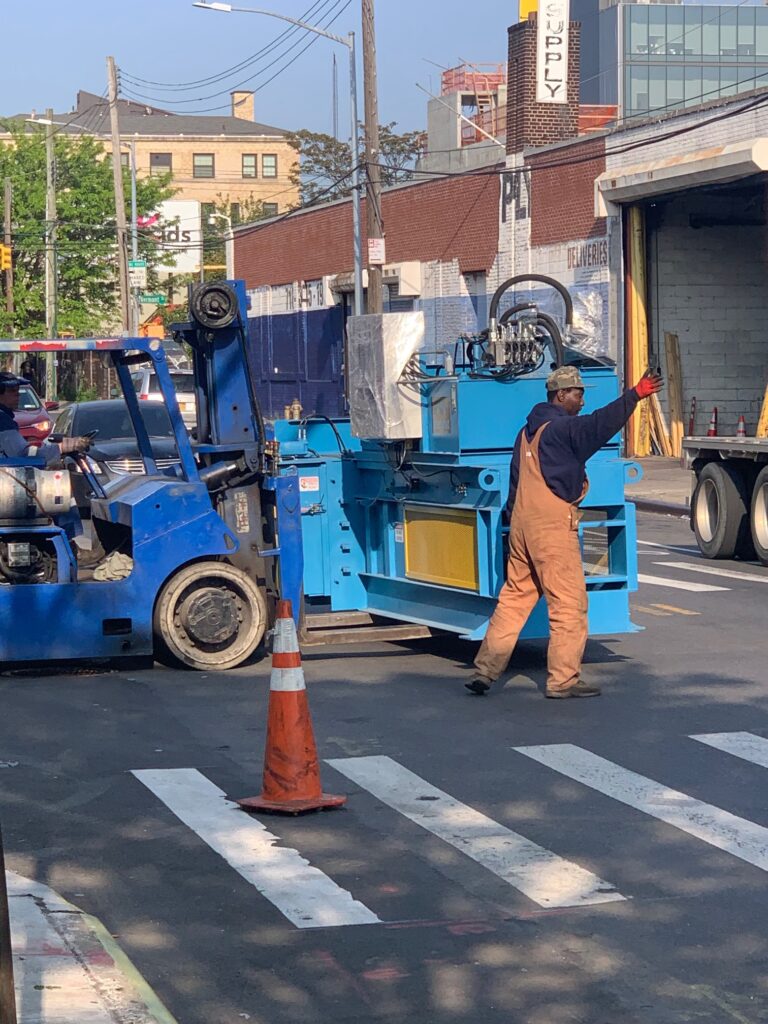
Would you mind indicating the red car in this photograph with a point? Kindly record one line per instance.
(33, 416)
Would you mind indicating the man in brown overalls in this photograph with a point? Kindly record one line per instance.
(547, 482)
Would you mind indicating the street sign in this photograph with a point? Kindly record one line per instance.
(137, 273)
(377, 253)
(154, 300)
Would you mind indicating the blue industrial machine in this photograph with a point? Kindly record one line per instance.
(403, 507)
(200, 541)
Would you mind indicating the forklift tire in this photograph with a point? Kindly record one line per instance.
(759, 515)
(719, 512)
(210, 615)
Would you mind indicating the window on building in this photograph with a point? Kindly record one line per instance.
(250, 165)
(728, 32)
(657, 29)
(202, 165)
(710, 83)
(269, 209)
(692, 38)
(677, 39)
(745, 32)
(269, 165)
(637, 88)
(657, 88)
(761, 34)
(125, 159)
(160, 163)
(728, 78)
(710, 38)
(693, 86)
(675, 87)
(234, 213)
(638, 28)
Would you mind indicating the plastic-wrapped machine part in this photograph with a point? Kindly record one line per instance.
(381, 405)
(588, 334)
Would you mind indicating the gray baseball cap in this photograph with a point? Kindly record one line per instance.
(565, 377)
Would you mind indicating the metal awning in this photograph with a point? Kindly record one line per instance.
(710, 166)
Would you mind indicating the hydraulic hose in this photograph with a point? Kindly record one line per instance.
(543, 279)
(550, 325)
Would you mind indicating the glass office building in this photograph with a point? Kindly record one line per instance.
(654, 57)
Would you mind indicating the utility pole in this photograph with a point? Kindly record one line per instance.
(51, 283)
(8, 241)
(117, 175)
(374, 221)
(135, 302)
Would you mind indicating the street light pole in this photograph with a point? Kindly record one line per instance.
(349, 42)
(229, 243)
(135, 303)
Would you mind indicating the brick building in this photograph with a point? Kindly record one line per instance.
(694, 183)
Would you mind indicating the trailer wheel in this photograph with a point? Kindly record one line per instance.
(759, 516)
(210, 615)
(720, 512)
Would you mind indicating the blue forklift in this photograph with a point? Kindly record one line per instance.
(210, 543)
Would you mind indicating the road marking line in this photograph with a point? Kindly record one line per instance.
(651, 610)
(671, 547)
(304, 894)
(673, 608)
(663, 581)
(742, 838)
(731, 574)
(741, 744)
(541, 875)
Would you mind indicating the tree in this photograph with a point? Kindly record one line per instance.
(323, 170)
(87, 295)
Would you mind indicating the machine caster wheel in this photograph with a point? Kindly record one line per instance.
(210, 615)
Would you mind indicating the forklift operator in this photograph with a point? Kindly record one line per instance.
(12, 444)
(547, 483)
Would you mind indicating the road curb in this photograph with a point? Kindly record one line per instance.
(660, 508)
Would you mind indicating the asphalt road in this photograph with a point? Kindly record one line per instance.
(612, 871)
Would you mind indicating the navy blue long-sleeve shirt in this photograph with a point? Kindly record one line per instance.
(568, 442)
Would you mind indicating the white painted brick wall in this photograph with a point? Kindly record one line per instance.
(710, 290)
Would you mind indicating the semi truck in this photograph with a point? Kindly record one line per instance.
(729, 504)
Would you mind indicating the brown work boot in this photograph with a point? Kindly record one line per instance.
(577, 690)
(479, 685)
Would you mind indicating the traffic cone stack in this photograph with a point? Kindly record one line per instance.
(741, 429)
(712, 432)
(291, 782)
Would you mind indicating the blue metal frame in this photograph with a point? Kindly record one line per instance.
(353, 506)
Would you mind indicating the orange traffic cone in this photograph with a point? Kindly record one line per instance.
(712, 432)
(741, 429)
(291, 782)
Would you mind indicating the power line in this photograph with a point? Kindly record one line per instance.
(311, 42)
(220, 76)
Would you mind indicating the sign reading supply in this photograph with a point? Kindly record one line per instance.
(552, 52)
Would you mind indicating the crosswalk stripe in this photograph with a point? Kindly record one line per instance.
(732, 574)
(541, 875)
(741, 744)
(304, 894)
(663, 581)
(742, 838)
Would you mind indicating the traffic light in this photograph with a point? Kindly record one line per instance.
(5, 257)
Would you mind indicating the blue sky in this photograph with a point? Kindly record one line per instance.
(59, 48)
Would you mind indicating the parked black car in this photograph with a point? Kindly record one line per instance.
(115, 451)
